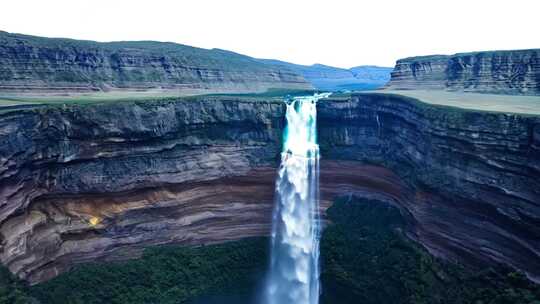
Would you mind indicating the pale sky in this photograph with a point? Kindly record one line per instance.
(334, 32)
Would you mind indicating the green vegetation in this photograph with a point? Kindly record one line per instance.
(62, 69)
(470, 102)
(12, 290)
(75, 99)
(182, 54)
(365, 259)
(88, 98)
(168, 274)
(114, 97)
(280, 93)
(463, 54)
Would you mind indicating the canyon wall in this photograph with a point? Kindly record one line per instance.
(101, 182)
(81, 183)
(29, 63)
(507, 72)
(473, 178)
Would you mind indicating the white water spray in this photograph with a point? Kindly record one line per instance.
(294, 265)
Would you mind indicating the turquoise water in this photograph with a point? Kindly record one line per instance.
(294, 267)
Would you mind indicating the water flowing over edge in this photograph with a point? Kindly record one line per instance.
(294, 266)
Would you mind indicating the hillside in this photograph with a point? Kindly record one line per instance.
(38, 64)
(328, 78)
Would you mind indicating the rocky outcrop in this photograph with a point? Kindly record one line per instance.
(101, 182)
(513, 72)
(29, 63)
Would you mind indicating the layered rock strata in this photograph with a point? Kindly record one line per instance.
(507, 72)
(101, 182)
(473, 177)
(47, 65)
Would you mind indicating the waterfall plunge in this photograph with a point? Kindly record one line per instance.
(294, 265)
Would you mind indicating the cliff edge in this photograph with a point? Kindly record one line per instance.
(44, 65)
(501, 72)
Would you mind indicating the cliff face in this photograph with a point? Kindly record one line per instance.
(472, 178)
(100, 182)
(80, 183)
(515, 72)
(29, 63)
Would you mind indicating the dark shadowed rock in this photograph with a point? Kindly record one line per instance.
(101, 182)
(473, 178)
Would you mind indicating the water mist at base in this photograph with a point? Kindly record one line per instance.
(294, 267)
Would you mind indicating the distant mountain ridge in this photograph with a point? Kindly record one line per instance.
(328, 78)
(30, 63)
(372, 73)
(40, 65)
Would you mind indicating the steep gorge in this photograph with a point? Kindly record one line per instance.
(101, 182)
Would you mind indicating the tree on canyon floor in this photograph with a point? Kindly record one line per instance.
(364, 254)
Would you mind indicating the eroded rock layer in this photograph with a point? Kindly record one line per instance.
(50, 65)
(101, 182)
(474, 176)
(515, 72)
(54, 158)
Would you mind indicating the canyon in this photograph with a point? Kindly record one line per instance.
(101, 182)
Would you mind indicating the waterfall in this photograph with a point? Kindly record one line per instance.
(294, 266)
